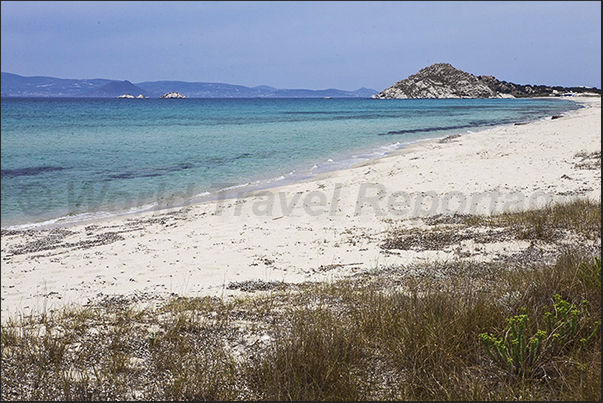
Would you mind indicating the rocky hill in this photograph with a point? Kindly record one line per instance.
(438, 81)
(442, 80)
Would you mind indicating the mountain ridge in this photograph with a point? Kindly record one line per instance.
(117, 88)
(14, 85)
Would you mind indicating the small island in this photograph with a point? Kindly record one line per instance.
(173, 94)
(131, 96)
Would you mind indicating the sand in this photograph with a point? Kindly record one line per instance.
(322, 229)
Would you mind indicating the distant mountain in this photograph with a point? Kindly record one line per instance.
(265, 87)
(201, 89)
(218, 90)
(441, 80)
(14, 85)
(116, 88)
(365, 92)
(332, 93)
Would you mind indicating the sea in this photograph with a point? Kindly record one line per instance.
(68, 160)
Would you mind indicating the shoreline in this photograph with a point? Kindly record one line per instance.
(295, 175)
(319, 229)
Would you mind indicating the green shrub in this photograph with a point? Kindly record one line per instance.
(519, 352)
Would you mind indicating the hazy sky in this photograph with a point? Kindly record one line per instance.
(299, 44)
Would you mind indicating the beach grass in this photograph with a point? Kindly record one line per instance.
(524, 329)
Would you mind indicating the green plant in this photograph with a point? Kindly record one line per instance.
(515, 351)
(519, 353)
(564, 325)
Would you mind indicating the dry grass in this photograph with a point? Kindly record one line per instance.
(403, 333)
(547, 225)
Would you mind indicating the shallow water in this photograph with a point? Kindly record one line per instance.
(67, 160)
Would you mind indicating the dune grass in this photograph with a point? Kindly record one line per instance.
(437, 331)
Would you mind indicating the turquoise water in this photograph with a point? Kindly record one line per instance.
(75, 159)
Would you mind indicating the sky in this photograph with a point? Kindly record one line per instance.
(302, 44)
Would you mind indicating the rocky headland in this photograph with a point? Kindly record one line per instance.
(442, 80)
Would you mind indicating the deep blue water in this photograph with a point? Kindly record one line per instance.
(74, 159)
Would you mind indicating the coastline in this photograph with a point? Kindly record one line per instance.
(327, 226)
(74, 200)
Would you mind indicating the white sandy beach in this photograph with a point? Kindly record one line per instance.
(320, 229)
